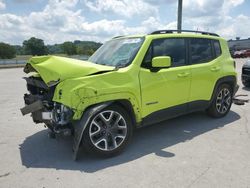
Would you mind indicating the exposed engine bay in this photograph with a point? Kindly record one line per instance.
(39, 103)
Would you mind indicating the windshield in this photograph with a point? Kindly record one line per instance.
(117, 52)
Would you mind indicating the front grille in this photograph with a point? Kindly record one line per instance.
(246, 71)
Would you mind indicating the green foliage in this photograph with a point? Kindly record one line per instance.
(34, 46)
(86, 47)
(7, 51)
(69, 48)
(55, 49)
(19, 50)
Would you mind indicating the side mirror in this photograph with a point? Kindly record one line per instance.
(161, 62)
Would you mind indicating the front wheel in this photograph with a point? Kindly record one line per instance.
(108, 132)
(222, 102)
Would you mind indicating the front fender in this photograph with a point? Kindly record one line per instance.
(83, 96)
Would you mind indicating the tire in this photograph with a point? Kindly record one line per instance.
(222, 102)
(246, 84)
(108, 132)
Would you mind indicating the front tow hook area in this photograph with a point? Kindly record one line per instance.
(38, 105)
(63, 131)
(239, 101)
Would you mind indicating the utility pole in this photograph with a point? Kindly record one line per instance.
(179, 17)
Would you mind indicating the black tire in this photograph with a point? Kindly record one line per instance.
(246, 84)
(100, 128)
(222, 102)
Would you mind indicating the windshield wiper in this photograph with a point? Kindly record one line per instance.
(120, 65)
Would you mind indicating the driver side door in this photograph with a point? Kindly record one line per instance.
(165, 92)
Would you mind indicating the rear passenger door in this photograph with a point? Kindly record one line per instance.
(205, 67)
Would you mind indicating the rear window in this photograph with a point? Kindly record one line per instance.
(217, 49)
(200, 50)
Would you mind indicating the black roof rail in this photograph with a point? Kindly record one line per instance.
(185, 31)
(118, 37)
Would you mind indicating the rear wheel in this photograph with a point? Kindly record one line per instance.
(222, 102)
(108, 132)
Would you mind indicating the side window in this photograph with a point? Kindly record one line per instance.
(200, 50)
(173, 47)
(147, 61)
(217, 48)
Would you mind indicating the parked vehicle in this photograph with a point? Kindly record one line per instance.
(246, 53)
(130, 82)
(238, 54)
(241, 54)
(245, 75)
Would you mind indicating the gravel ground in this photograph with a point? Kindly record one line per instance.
(189, 151)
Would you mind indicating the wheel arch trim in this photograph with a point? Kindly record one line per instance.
(80, 125)
(231, 80)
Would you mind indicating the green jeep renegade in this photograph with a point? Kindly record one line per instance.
(129, 82)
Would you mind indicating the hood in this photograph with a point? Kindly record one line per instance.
(53, 69)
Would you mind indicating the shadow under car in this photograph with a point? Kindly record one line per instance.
(37, 151)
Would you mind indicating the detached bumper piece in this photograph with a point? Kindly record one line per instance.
(38, 105)
(238, 101)
(38, 113)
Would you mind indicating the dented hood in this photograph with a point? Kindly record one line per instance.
(53, 68)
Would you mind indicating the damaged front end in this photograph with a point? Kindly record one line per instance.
(39, 103)
(65, 93)
(47, 72)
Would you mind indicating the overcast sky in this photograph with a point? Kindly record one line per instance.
(56, 21)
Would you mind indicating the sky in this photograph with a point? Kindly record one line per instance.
(56, 21)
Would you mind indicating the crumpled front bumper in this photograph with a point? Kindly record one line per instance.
(46, 112)
(39, 112)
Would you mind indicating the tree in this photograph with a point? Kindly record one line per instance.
(34, 46)
(7, 51)
(69, 48)
(55, 49)
(86, 47)
(90, 52)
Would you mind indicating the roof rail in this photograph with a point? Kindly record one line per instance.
(185, 31)
(118, 37)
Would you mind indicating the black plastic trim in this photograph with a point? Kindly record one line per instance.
(185, 31)
(36, 82)
(175, 111)
(231, 80)
(164, 114)
(80, 125)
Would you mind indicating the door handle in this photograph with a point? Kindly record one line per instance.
(215, 68)
(183, 74)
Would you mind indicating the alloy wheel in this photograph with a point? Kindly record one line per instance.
(223, 100)
(108, 130)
